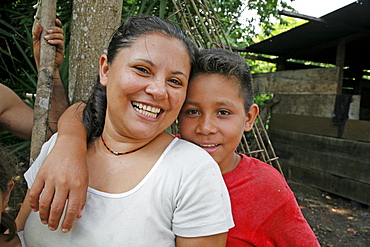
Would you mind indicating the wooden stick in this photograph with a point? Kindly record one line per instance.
(44, 82)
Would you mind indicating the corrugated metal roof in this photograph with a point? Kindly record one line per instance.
(317, 40)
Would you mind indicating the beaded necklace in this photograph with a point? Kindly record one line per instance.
(117, 153)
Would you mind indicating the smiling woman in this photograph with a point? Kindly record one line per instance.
(141, 76)
(145, 186)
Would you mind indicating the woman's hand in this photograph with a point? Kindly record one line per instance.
(63, 175)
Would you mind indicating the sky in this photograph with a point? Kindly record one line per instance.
(318, 8)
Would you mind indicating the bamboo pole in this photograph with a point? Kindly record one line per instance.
(44, 82)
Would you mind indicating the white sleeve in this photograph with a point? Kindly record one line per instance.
(31, 173)
(203, 203)
(21, 238)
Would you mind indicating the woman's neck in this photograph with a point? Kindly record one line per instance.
(120, 173)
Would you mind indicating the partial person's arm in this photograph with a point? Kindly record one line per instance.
(23, 213)
(15, 116)
(218, 240)
(63, 174)
(59, 101)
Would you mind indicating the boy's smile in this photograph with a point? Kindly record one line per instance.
(213, 117)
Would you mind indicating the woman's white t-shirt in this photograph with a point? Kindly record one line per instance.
(182, 195)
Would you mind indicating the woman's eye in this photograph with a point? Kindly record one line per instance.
(223, 112)
(175, 81)
(142, 69)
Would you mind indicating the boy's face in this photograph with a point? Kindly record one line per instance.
(213, 117)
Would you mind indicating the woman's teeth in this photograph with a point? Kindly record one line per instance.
(146, 110)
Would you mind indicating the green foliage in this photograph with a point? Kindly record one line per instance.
(161, 8)
(17, 67)
(238, 33)
(266, 10)
(280, 26)
(259, 99)
(284, 24)
(266, 13)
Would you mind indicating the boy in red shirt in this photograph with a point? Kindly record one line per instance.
(218, 109)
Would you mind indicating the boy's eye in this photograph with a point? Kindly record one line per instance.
(175, 81)
(223, 112)
(192, 112)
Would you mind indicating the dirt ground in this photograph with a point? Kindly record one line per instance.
(336, 221)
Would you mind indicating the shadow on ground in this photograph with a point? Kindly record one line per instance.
(336, 221)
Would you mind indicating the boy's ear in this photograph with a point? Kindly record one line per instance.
(251, 116)
(103, 69)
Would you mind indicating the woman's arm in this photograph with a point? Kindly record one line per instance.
(63, 175)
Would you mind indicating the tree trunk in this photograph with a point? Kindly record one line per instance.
(92, 26)
(44, 82)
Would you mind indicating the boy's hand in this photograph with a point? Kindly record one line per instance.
(54, 36)
(62, 181)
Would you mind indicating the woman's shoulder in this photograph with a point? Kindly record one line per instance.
(189, 155)
(186, 148)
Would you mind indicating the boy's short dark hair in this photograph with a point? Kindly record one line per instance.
(229, 64)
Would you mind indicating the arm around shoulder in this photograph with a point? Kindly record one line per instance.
(64, 173)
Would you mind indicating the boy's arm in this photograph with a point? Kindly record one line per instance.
(63, 175)
(59, 101)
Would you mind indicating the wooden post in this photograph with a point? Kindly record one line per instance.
(44, 82)
(341, 52)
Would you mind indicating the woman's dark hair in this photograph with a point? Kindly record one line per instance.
(6, 174)
(123, 37)
(229, 64)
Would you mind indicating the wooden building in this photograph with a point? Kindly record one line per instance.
(316, 143)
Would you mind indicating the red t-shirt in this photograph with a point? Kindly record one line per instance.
(264, 208)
